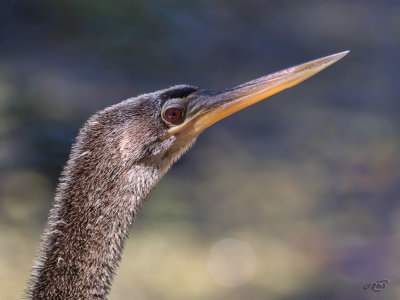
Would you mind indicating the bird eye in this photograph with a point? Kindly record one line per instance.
(173, 115)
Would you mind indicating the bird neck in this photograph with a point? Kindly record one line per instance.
(95, 205)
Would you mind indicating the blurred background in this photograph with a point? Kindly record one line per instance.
(296, 197)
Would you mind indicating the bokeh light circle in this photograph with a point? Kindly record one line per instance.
(231, 262)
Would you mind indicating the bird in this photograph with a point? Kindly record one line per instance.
(119, 155)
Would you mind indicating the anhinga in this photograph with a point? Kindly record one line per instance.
(119, 155)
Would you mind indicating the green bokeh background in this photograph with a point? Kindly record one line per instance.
(309, 179)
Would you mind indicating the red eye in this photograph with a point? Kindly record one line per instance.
(173, 115)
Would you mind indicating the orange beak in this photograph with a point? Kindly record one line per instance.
(207, 107)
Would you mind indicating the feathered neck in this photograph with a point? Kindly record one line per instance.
(99, 194)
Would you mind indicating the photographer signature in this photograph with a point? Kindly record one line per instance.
(377, 286)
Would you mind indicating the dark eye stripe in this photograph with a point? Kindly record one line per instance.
(178, 92)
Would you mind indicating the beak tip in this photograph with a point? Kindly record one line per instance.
(335, 57)
(329, 60)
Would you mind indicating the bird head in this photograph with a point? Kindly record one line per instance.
(165, 123)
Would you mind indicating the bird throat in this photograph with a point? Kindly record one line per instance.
(95, 204)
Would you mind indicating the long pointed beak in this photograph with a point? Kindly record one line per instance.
(207, 107)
